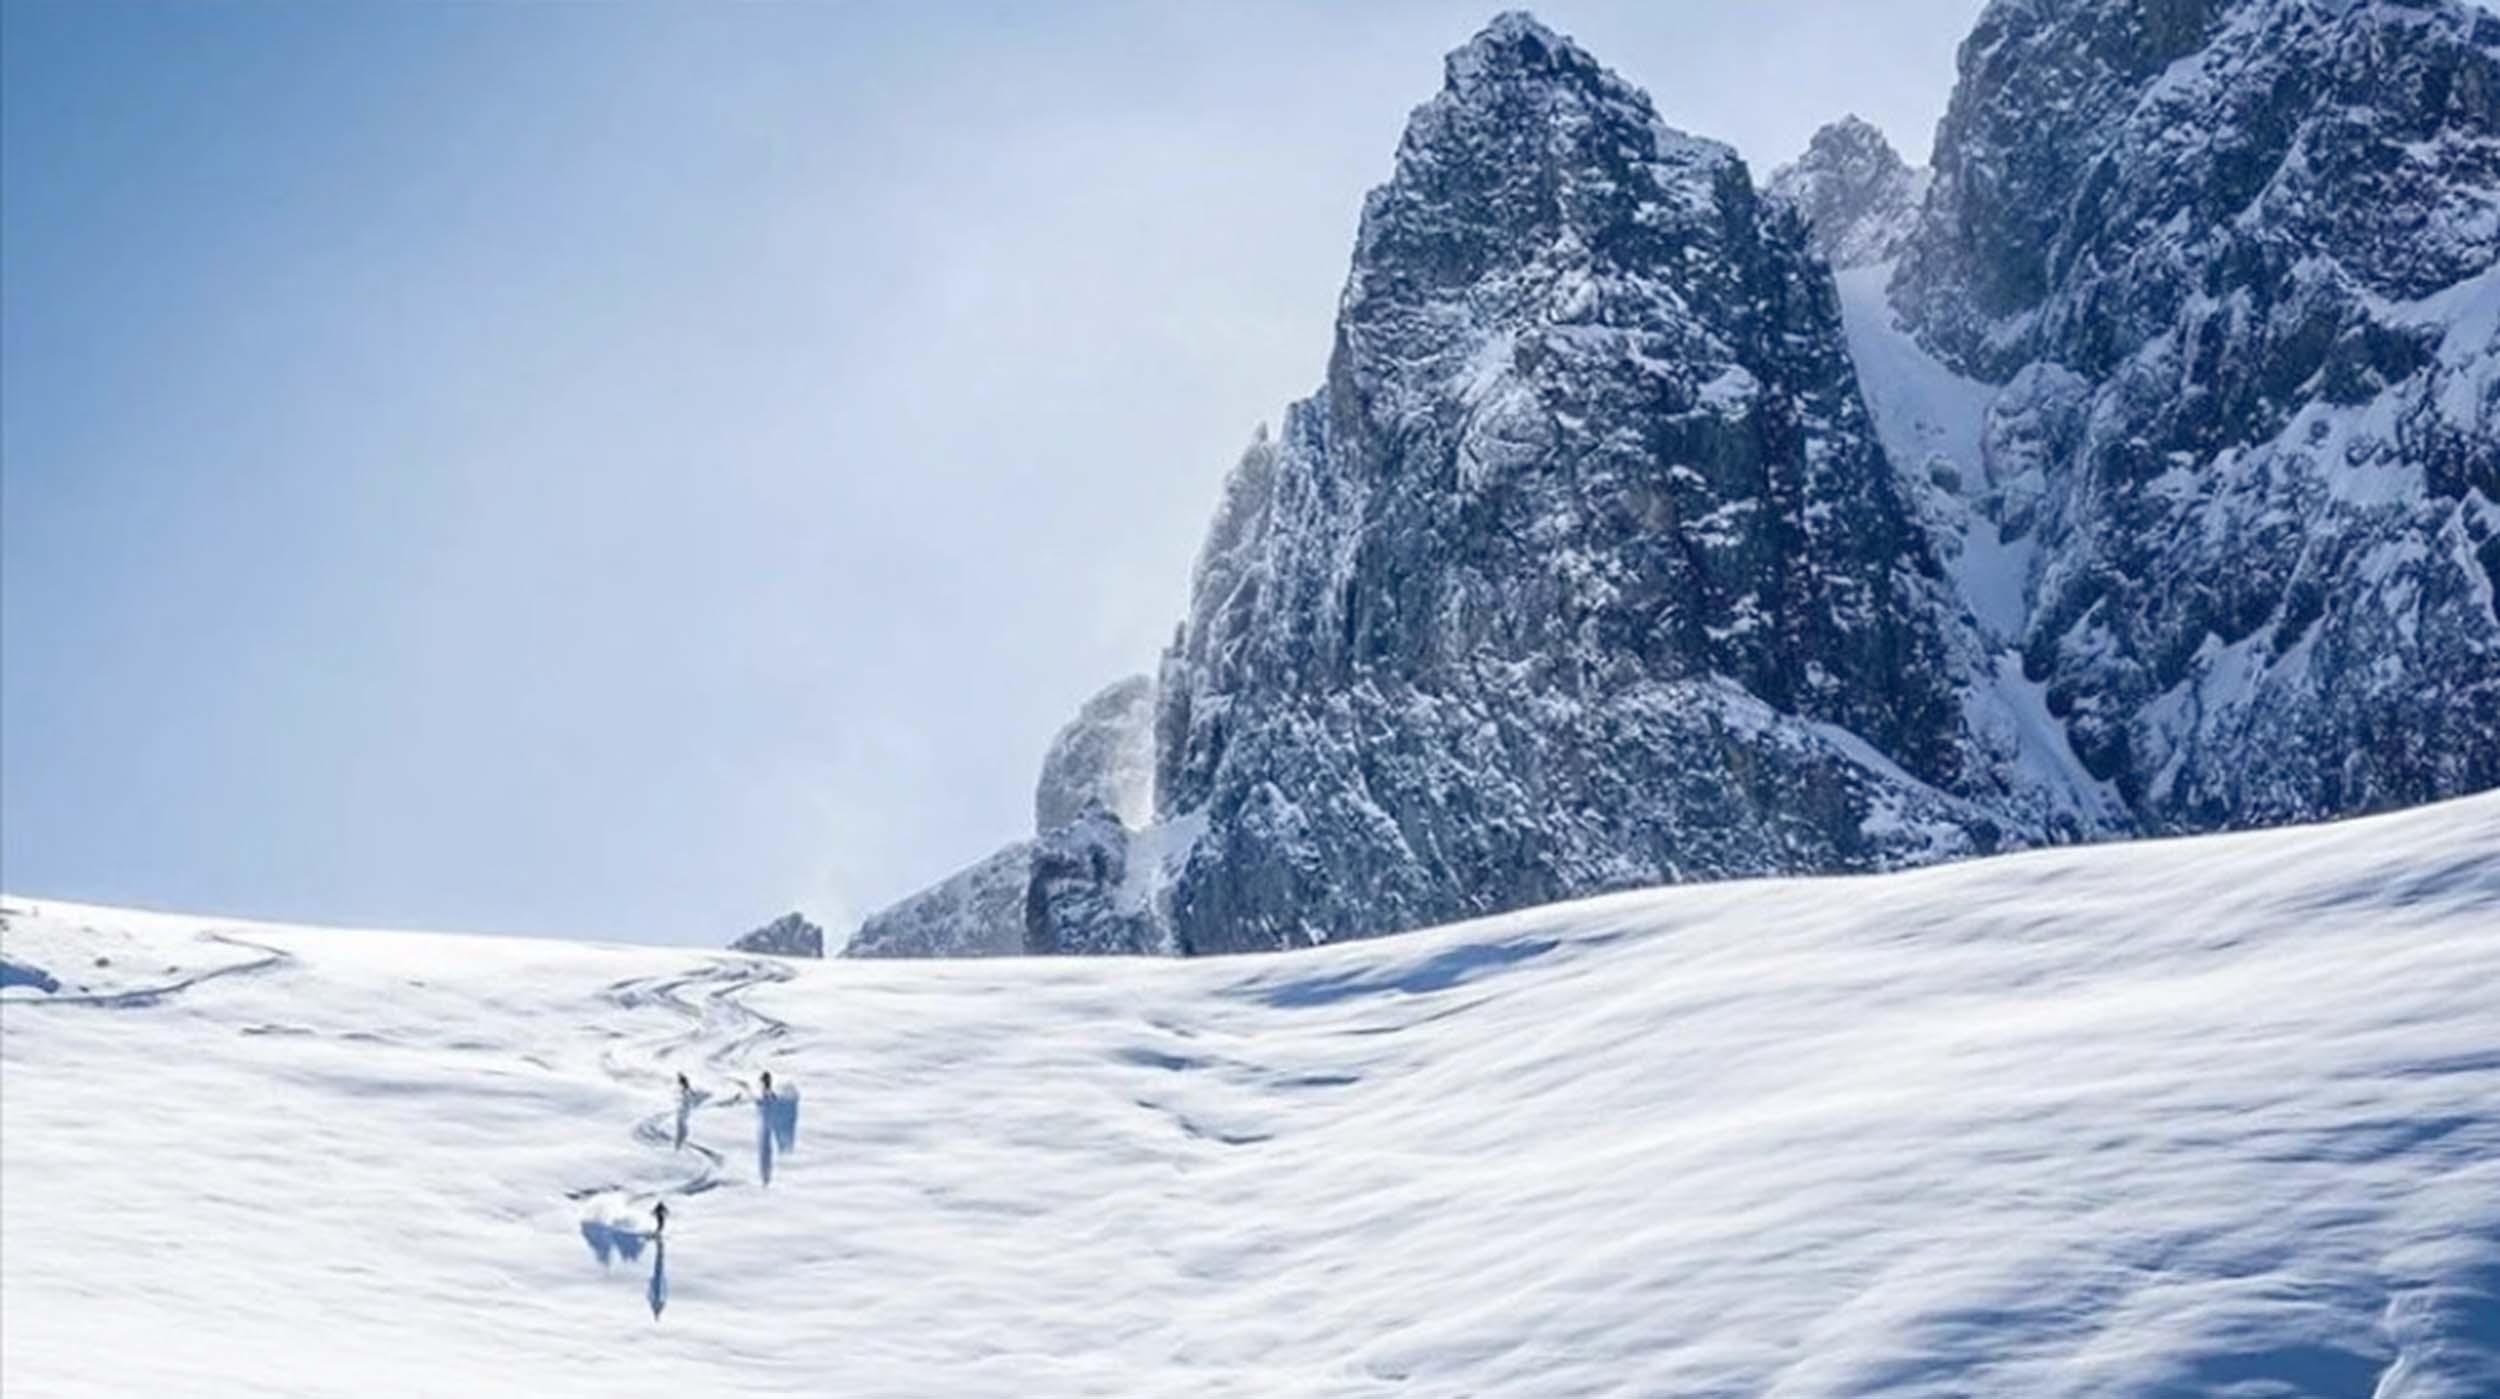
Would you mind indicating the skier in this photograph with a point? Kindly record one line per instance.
(768, 1085)
(684, 1088)
(659, 1218)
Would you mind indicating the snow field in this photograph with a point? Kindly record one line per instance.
(2217, 1116)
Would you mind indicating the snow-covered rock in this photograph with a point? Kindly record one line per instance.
(1100, 768)
(2233, 264)
(1076, 900)
(2142, 476)
(1583, 569)
(1105, 755)
(790, 935)
(978, 911)
(1859, 199)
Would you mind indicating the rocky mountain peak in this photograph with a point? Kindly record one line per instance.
(1533, 154)
(1516, 43)
(1104, 756)
(1852, 144)
(2136, 474)
(1516, 53)
(1570, 576)
(790, 935)
(1854, 191)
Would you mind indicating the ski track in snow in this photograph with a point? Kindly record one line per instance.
(720, 1033)
(2202, 1117)
(135, 997)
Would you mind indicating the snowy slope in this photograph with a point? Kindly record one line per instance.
(2199, 1117)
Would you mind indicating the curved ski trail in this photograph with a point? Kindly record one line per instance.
(270, 959)
(718, 1031)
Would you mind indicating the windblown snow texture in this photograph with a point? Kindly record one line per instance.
(2212, 1117)
(1105, 756)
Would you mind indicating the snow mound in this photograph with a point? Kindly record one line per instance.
(2206, 1116)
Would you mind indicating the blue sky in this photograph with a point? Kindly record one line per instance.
(627, 472)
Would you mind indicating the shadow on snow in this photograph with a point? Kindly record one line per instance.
(776, 1129)
(1450, 967)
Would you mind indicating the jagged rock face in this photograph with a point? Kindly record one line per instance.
(2102, 168)
(978, 911)
(1099, 768)
(1080, 899)
(1583, 570)
(1859, 200)
(790, 935)
(1105, 756)
(2248, 248)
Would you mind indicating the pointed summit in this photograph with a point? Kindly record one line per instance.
(1853, 140)
(1517, 51)
(790, 935)
(1854, 191)
(1587, 513)
(1532, 158)
(1515, 26)
(1516, 44)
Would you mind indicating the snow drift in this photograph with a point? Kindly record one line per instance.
(2218, 1115)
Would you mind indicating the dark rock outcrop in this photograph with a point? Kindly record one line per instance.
(790, 935)
(1081, 898)
(2247, 249)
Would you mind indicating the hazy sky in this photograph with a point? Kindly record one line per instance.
(626, 473)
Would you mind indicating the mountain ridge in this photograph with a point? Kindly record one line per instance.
(1624, 542)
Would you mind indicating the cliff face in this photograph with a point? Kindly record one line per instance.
(1584, 568)
(2232, 265)
(2139, 470)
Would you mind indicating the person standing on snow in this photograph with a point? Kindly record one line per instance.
(659, 1218)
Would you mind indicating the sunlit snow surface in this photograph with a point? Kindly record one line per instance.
(2217, 1116)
